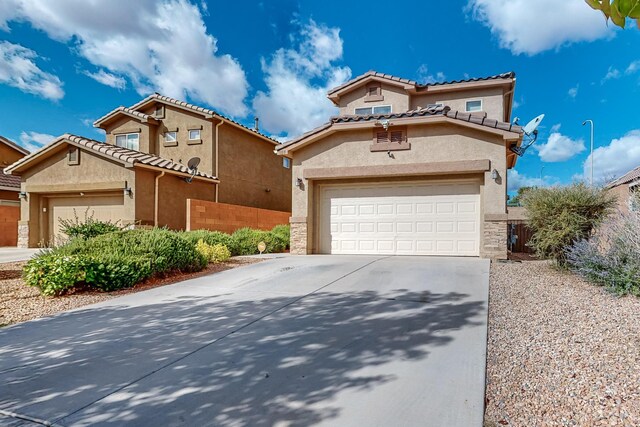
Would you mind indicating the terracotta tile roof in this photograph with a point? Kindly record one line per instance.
(419, 112)
(126, 155)
(509, 75)
(138, 114)
(11, 181)
(632, 175)
(198, 109)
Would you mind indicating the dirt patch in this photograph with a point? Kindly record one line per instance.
(19, 302)
(561, 351)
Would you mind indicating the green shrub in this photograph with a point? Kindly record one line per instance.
(283, 234)
(246, 241)
(115, 272)
(211, 238)
(611, 258)
(561, 216)
(54, 274)
(90, 227)
(220, 253)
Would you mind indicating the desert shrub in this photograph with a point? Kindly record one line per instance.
(211, 238)
(213, 253)
(611, 258)
(246, 240)
(88, 228)
(112, 261)
(54, 274)
(560, 216)
(282, 233)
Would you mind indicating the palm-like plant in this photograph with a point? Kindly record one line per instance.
(618, 10)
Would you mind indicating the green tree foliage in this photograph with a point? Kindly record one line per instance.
(618, 10)
(517, 199)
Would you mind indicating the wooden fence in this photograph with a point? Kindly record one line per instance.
(227, 218)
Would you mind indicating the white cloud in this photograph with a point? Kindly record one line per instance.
(515, 180)
(559, 148)
(423, 75)
(531, 27)
(612, 74)
(614, 160)
(33, 141)
(633, 67)
(573, 92)
(18, 69)
(556, 127)
(158, 45)
(298, 80)
(107, 79)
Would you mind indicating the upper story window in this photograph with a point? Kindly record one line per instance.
(170, 136)
(379, 109)
(128, 140)
(286, 162)
(194, 134)
(473, 106)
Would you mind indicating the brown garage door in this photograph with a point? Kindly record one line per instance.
(103, 208)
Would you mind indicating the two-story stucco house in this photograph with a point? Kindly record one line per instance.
(626, 189)
(406, 169)
(140, 174)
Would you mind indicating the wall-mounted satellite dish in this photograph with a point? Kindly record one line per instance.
(192, 164)
(530, 136)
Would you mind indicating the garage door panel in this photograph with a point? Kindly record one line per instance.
(402, 219)
(101, 208)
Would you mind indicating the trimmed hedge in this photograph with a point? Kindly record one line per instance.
(245, 240)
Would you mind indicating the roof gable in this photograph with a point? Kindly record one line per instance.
(9, 143)
(122, 155)
(632, 175)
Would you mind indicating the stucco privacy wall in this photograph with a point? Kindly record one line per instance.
(621, 193)
(429, 144)
(227, 218)
(55, 176)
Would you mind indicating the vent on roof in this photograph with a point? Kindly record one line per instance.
(159, 111)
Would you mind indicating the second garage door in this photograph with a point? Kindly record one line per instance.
(401, 219)
(102, 208)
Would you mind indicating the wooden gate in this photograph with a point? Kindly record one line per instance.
(519, 236)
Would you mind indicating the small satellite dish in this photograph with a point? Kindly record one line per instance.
(530, 136)
(192, 164)
(533, 125)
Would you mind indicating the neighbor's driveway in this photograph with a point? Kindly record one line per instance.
(295, 341)
(12, 254)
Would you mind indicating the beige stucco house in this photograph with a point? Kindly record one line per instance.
(407, 169)
(140, 174)
(627, 191)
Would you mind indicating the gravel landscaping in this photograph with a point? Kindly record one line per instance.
(19, 302)
(561, 352)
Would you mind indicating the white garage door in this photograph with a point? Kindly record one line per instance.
(102, 208)
(406, 219)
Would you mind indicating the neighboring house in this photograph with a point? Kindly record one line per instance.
(139, 176)
(627, 190)
(407, 169)
(9, 192)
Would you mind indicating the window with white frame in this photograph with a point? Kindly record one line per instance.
(286, 162)
(170, 136)
(194, 134)
(473, 106)
(128, 140)
(380, 109)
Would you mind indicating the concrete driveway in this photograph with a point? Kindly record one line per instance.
(293, 341)
(12, 254)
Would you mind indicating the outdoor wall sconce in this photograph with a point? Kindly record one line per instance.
(22, 195)
(299, 182)
(128, 192)
(495, 175)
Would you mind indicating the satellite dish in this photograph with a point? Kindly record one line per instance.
(530, 136)
(533, 125)
(192, 164)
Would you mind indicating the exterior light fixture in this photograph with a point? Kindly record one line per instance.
(495, 175)
(299, 182)
(127, 191)
(22, 195)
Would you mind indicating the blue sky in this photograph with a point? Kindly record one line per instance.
(62, 67)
